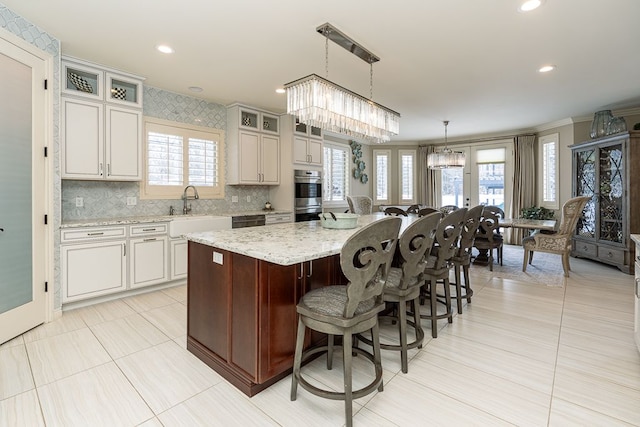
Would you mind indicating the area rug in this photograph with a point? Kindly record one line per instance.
(545, 269)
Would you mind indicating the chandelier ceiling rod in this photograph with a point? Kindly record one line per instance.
(341, 39)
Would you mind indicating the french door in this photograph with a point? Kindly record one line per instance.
(23, 237)
(486, 179)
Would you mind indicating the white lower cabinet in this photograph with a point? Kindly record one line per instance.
(93, 269)
(148, 264)
(179, 257)
(97, 261)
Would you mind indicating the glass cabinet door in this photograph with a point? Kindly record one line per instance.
(611, 194)
(586, 186)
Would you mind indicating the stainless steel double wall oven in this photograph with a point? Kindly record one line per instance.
(308, 194)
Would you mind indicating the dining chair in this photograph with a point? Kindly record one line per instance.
(392, 210)
(560, 241)
(361, 205)
(404, 282)
(447, 209)
(488, 236)
(426, 211)
(462, 257)
(413, 209)
(439, 264)
(349, 309)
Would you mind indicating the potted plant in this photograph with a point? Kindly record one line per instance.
(537, 212)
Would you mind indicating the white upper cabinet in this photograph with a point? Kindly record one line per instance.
(253, 145)
(101, 123)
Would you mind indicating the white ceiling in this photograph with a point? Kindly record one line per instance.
(468, 61)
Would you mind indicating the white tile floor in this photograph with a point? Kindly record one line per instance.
(525, 352)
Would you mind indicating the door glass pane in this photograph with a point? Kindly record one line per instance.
(585, 186)
(452, 187)
(16, 286)
(611, 178)
(491, 184)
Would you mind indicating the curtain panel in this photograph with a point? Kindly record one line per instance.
(524, 183)
(426, 178)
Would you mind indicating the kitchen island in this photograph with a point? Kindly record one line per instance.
(243, 287)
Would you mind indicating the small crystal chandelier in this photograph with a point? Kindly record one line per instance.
(446, 158)
(318, 102)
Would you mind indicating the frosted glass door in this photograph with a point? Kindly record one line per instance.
(15, 186)
(22, 184)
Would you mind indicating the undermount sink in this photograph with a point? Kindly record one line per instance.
(192, 224)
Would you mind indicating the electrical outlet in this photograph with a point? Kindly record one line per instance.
(79, 202)
(234, 199)
(131, 201)
(217, 258)
(248, 199)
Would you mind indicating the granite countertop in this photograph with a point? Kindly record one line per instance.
(93, 222)
(636, 238)
(285, 244)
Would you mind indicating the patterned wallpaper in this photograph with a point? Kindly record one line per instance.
(109, 199)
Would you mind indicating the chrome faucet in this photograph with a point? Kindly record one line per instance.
(187, 208)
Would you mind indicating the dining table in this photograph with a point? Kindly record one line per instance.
(519, 223)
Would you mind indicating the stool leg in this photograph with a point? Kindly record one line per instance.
(434, 310)
(458, 288)
(447, 300)
(402, 314)
(377, 357)
(467, 283)
(348, 397)
(297, 360)
(416, 319)
(329, 352)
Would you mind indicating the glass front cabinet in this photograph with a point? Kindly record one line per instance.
(607, 170)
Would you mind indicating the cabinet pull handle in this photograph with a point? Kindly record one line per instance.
(108, 169)
(100, 233)
(151, 239)
(301, 271)
(148, 229)
(100, 169)
(124, 249)
(310, 269)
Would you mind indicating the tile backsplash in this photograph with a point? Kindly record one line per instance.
(109, 199)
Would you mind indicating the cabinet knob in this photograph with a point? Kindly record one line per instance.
(609, 255)
(584, 248)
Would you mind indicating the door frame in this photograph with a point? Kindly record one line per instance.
(47, 191)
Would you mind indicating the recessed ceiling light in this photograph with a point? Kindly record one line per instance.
(280, 90)
(546, 68)
(164, 48)
(195, 89)
(529, 5)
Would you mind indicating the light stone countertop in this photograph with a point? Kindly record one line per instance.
(636, 238)
(157, 218)
(286, 244)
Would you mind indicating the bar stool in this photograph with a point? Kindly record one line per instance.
(439, 265)
(462, 258)
(404, 282)
(349, 309)
(488, 236)
(392, 210)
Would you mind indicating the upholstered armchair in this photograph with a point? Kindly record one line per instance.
(560, 241)
(361, 205)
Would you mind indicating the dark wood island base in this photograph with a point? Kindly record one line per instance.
(242, 316)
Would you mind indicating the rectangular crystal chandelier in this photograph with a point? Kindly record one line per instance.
(319, 102)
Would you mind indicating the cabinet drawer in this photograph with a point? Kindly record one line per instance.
(611, 255)
(278, 218)
(585, 249)
(147, 229)
(91, 234)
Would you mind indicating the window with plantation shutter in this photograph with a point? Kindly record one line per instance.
(336, 174)
(407, 159)
(382, 176)
(548, 154)
(178, 155)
